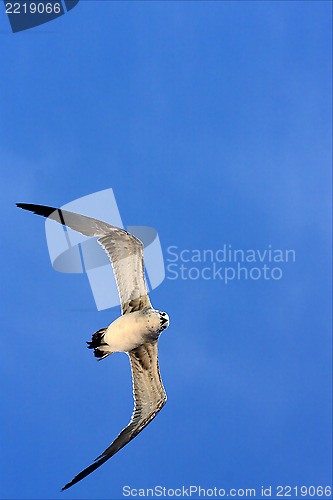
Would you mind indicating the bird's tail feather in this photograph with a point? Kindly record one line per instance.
(98, 344)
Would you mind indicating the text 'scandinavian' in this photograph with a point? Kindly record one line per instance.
(136, 332)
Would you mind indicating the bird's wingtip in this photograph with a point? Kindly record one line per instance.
(27, 206)
(66, 486)
(37, 209)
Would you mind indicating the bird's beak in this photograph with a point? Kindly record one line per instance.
(164, 320)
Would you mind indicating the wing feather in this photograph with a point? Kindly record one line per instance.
(124, 250)
(126, 255)
(149, 398)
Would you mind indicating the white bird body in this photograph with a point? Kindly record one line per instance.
(132, 330)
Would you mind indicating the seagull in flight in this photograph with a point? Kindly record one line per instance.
(136, 332)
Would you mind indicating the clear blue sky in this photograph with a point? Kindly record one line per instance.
(211, 122)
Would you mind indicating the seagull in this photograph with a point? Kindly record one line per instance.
(135, 332)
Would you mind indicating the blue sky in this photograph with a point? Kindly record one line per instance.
(211, 121)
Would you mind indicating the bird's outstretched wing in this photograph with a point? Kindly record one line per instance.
(125, 252)
(149, 398)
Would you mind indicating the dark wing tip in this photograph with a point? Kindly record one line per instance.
(37, 209)
(68, 485)
(86, 471)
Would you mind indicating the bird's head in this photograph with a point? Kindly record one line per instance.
(164, 320)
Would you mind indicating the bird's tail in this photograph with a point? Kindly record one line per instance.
(100, 349)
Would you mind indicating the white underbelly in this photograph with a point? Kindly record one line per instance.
(128, 332)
